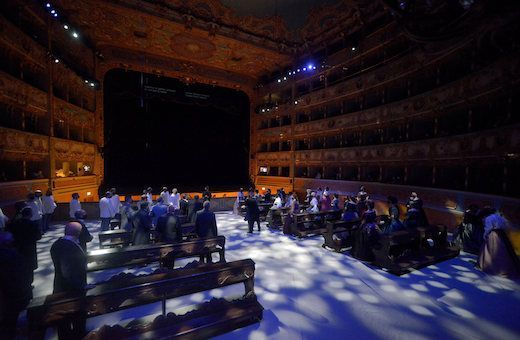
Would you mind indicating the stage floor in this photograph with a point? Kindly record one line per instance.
(311, 293)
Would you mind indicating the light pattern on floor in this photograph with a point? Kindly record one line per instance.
(311, 293)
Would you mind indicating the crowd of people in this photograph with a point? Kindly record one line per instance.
(481, 232)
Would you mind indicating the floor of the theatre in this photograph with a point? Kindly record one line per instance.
(311, 293)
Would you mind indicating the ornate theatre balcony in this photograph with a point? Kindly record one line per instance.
(67, 150)
(491, 144)
(23, 146)
(17, 93)
(478, 86)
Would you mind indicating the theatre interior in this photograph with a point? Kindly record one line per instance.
(260, 169)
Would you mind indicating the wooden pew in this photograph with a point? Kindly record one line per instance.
(305, 224)
(103, 259)
(275, 217)
(337, 227)
(114, 238)
(405, 250)
(212, 318)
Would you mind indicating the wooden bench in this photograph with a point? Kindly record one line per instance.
(211, 318)
(308, 223)
(275, 217)
(103, 259)
(114, 238)
(405, 250)
(338, 227)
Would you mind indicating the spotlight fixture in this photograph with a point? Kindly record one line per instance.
(56, 60)
(53, 11)
(298, 70)
(353, 48)
(284, 78)
(305, 68)
(310, 66)
(86, 81)
(66, 26)
(279, 80)
(75, 35)
(295, 102)
(55, 15)
(263, 110)
(48, 5)
(92, 84)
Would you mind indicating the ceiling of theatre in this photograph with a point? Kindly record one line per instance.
(245, 38)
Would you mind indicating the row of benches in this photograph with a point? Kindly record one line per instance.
(126, 290)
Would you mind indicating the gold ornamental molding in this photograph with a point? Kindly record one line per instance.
(22, 95)
(18, 145)
(66, 150)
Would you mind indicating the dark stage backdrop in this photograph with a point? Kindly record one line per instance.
(160, 131)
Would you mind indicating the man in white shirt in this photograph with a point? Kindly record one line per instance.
(175, 199)
(74, 205)
(313, 204)
(149, 197)
(277, 202)
(115, 202)
(106, 211)
(165, 194)
(48, 207)
(35, 203)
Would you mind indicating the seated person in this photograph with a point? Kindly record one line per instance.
(412, 219)
(278, 202)
(350, 213)
(335, 202)
(142, 225)
(313, 205)
(366, 238)
(205, 222)
(497, 256)
(393, 223)
(469, 235)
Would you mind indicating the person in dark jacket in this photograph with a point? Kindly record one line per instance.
(142, 225)
(195, 206)
(15, 286)
(168, 227)
(205, 222)
(252, 213)
(184, 205)
(84, 236)
(70, 275)
(26, 233)
(206, 194)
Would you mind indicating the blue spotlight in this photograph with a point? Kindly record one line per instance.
(310, 66)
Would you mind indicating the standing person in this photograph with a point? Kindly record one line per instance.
(15, 287)
(74, 205)
(206, 194)
(116, 204)
(252, 214)
(278, 203)
(142, 225)
(205, 222)
(35, 203)
(48, 206)
(325, 202)
(3, 220)
(127, 213)
(335, 202)
(149, 197)
(268, 195)
(70, 274)
(106, 211)
(313, 205)
(158, 210)
(84, 236)
(25, 233)
(175, 198)
(238, 203)
(169, 227)
(195, 206)
(165, 194)
(184, 205)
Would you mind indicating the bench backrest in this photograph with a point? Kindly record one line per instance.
(115, 295)
(120, 257)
